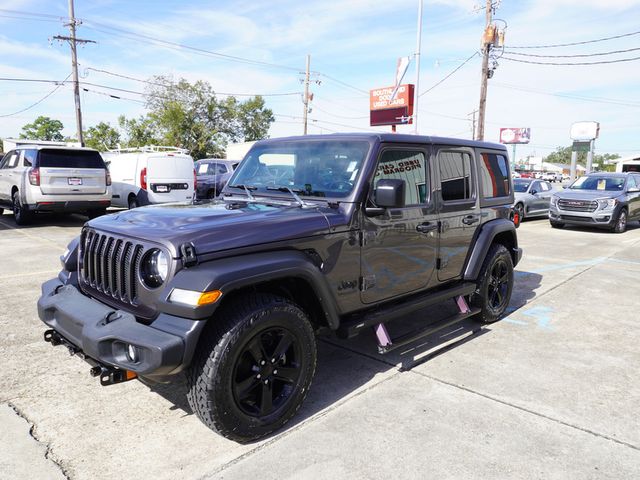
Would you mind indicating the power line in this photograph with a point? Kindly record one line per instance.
(60, 84)
(166, 85)
(613, 52)
(345, 84)
(117, 97)
(449, 75)
(602, 62)
(31, 14)
(576, 43)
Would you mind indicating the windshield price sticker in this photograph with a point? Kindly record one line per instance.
(602, 184)
(203, 168)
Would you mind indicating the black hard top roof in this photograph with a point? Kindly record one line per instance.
(392, 137)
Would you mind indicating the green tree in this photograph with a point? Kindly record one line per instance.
(563, 155)
(138, 132)
(102, 137)
(190, 116)
(43, 128)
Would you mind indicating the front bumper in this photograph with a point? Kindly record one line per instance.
(599, 218)
(101, 333)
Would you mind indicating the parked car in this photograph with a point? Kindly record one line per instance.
(515, 174)
(150, 175)
(603, 200)
(527, 175)
(232, 291)
(36, 178)
(532, 198)
(551, 177)
(212, 175)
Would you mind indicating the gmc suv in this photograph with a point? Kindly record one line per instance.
(332, 233)
(35, 178)
(603, 200)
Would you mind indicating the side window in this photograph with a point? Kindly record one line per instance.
(632, 183)
(218, 169)
(535, 187)
(455, 175)
(11, 160)
(494, 175)
(409, 166)
(30, 158)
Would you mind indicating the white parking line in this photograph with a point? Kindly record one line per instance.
(34, 237)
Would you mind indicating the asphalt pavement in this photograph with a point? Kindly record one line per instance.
(550, 391)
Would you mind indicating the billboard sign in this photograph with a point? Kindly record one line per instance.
(385, 111)
(584, 131)
(515, 135)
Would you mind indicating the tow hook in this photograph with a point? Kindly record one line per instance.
(111, 376)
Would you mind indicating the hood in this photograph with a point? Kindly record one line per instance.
(569, 194)
(217, 225)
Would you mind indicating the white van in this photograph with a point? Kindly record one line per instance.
(148, 175)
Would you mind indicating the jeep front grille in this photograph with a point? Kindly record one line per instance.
(109, 265)
(577, 205)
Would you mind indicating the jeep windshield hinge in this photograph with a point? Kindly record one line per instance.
(188, 254)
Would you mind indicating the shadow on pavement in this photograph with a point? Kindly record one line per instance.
(44, 220)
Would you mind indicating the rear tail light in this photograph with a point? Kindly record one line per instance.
(108, 178)
(34, 176)
(195, 180)
(143, 178)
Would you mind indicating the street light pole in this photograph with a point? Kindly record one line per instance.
(416, 93)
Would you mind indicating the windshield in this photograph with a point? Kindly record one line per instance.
(520, 185)
(321, 168)
(596, 182)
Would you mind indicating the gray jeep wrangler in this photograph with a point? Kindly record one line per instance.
(332, 233)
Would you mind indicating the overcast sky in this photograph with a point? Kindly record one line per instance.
(354, 46)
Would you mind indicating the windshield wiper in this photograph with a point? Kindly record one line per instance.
(247, 189)
(293, 193)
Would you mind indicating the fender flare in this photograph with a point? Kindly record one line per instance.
(483, 241)
(230, 274)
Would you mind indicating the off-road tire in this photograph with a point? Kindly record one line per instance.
(1, 211)
(20, 216)
(224, 348)
(620, 226)
(497, 265)
(556, 224)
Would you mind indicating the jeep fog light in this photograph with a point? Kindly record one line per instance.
(194, 299)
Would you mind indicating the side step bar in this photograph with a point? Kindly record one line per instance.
(386, 344)
(401, 309)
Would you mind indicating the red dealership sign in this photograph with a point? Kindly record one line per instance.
(384, 111)
(515, 135)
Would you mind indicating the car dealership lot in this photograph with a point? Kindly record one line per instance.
(550, 391)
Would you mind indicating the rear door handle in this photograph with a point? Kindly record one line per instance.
(426, 227)
(470, 219)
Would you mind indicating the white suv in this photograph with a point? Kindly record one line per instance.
(35, 178)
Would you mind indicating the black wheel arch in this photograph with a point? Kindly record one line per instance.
(289, 273)
(500, 231)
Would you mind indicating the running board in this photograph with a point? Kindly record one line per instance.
(387, 344)
(402, 308)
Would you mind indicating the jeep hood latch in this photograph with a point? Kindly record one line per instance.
(188, 254)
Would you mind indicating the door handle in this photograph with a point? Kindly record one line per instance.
(426, 227)
(470, 219)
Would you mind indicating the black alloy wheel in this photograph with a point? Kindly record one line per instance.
(495, 284)
(266, 371)
(253, 366)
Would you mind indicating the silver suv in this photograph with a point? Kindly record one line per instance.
(37, 178)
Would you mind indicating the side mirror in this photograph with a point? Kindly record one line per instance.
(389, 193)
(533, 192)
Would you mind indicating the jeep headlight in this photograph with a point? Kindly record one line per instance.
(154, 268)
(606, 203)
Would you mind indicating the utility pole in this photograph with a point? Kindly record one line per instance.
(306, 93)
(73, 41)
(473, 124)
(486, 48)
(416, 94)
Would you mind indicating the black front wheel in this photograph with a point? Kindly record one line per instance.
(253, 367)
(495, 284)
(518, 214)
(556, 224)
(133, 202)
